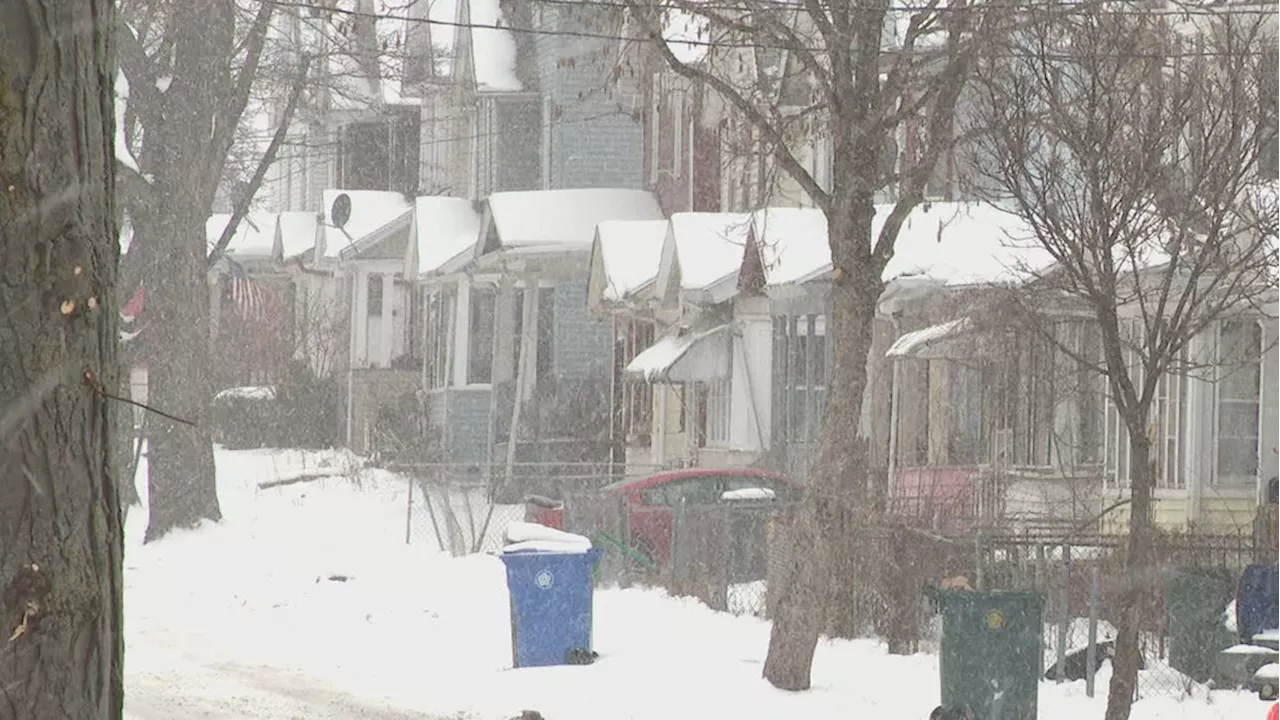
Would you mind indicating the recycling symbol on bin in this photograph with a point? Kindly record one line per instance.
(544, 579)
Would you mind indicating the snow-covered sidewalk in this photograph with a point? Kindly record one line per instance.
(306, 603)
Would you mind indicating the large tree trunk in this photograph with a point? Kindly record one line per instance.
(181, 478)
(60, 533)
(823, 529)
(1140, 573)
(170, 234)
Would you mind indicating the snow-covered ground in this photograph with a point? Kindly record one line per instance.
(305, 602)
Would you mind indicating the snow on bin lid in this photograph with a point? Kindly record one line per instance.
(532, 537)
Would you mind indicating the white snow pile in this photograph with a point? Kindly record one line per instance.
(1229, 617)
(532, 537)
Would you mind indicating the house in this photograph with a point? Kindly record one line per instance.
(362, 296)
(524, 96)
(358, 126)
(251, 302)
(524, 357)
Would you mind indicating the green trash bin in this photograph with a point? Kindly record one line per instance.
(991, 654)
(1195, 600)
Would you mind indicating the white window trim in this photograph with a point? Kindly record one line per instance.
(719, 394)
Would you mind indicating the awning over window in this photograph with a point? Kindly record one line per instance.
(684, 355)
(913, 344)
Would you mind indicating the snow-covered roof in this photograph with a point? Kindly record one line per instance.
(685, 353)
(444, 227)
(371, 210)
(963, 244)
(910, 343)
(565, 217)
(630, 252)
(679, 27)
(948, 243)
(704, 248)
(792, 241)
(255, 234)
(493, 51)
(297, 230)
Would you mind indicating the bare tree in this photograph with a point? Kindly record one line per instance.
(60, 560)
(1129, 143)
(859, 69)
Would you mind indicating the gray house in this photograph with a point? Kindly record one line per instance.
(512, 350)
(506, 110)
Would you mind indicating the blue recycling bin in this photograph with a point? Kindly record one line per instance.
(551, 599)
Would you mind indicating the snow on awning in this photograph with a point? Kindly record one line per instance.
(910, 344)
(684, 355)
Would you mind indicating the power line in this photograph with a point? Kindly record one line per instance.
(726, 44)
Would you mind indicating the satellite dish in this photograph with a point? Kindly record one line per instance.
(340, 213)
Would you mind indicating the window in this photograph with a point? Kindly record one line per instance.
(480, 337)
(374, 304)
(1168, 413)
(655, 126)
(635, 337)
(806, 378)
(416, 329)
(546, 328)
(713, 403)
(1239, 392)
(439, 321)
(968, 391)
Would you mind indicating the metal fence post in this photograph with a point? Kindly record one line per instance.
(1064, 616)
(1095, 592)
(408, 512)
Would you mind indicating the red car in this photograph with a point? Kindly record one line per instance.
(650, 501)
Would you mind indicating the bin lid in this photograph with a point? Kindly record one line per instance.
(527, 537)
(547, 547)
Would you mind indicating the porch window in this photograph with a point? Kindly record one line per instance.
(545, 328)
(712, 403)
(637, 396)
(965, 440)
(1164, 425)
(440, 314)
(808, 387)
(1239, 394)
(416, 329)
(375, 296)
(480, 337)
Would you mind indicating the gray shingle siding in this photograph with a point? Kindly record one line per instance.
(596, 141)
(467, 426)
(583, 344)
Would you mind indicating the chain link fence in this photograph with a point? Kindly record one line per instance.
(466, 508)
(1183, 606)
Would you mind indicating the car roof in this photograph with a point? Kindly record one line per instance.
(666, 476)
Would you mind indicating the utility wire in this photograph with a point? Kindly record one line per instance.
(726, 44)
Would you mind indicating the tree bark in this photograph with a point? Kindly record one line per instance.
(169, 234)
(181, 478)
(60, 521)
(1140, 572)
(835, 500)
